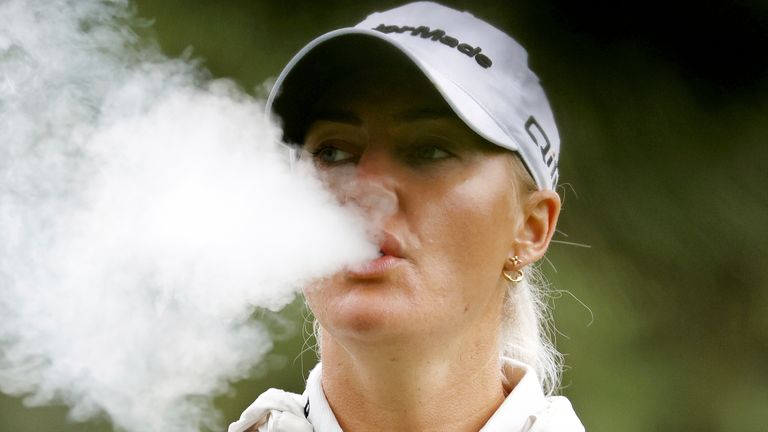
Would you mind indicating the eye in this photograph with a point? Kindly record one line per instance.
(428, 151)
(329, 155)
(427, 148)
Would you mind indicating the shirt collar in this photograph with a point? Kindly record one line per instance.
(317, 410)
(525, 398)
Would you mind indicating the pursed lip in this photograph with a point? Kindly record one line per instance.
(390, 256)
(390, 245)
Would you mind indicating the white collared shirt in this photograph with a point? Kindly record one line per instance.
(525, 409)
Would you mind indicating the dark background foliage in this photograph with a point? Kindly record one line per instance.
(663, 113)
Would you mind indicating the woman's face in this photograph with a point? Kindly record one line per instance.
(445, 202)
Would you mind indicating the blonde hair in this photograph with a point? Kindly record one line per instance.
(527, 328)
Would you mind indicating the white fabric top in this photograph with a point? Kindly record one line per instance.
(525, 409)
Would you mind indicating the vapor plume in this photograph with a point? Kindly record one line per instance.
(145, 211)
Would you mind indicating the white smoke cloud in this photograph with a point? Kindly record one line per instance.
(144, 212)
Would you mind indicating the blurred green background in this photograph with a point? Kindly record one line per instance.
(663, 113)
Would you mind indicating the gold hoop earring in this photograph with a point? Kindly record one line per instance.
(515, 260)
(516, 278)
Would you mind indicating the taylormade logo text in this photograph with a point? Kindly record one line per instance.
(439, 35)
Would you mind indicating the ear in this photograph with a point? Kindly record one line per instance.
(541, 210)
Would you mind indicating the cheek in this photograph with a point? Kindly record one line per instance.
(468, 230)
(478, 215)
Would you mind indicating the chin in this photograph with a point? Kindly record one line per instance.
(367, 315)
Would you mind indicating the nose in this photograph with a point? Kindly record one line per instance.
(373, 188)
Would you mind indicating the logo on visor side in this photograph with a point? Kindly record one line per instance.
(438, 35)
(548, 155)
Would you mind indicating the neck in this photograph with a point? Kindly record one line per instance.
(417, 387)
